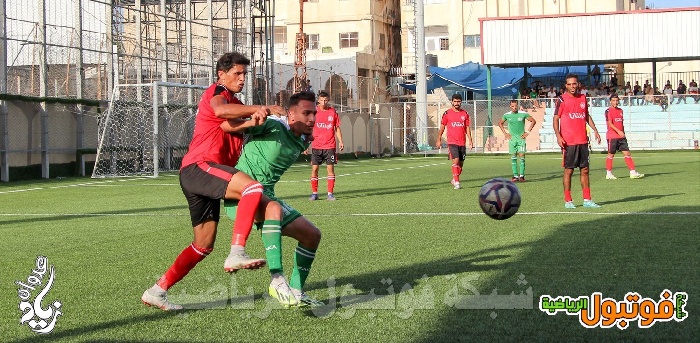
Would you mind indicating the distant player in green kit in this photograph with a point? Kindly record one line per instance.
(516, 138)
(270, 150)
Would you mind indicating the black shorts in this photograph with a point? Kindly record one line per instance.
(457, 151)
(318, 156)
(617, 144)
(204, 185)
(576, 156)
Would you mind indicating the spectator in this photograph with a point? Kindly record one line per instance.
(613, 80)
(596, 74)
(681, 92)
(648, 95)
(552, 94)
(629, 94)
(668, 91)
(694, 91)
(593, 94)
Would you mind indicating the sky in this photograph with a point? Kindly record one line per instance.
(672, 3)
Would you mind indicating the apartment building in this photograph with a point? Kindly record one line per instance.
(351, 46)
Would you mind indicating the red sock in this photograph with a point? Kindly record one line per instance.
(567, 196)
(630, 163)
(586, 194)
(608, 164)
(331, 183)
(184, 262)
(314, 185)
(247, 206)
(456, 171)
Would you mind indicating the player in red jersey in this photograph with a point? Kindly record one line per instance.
(617, 140)
(323, 145)
(570, 119)
(207, 176)
(456, 120)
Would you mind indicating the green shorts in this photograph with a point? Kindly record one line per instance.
(516, 146)
(289, 214)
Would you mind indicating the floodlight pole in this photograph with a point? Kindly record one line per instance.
(421, 77)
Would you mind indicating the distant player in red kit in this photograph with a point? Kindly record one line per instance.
(323, 146)
(570, 119)
(456, 120)
(207, 175)
(617, 141)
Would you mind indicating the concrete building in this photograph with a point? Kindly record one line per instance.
(351, 47)
(452, 31)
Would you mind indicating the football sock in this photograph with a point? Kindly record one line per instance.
(586, 194)
(247, 206)
(609, 164)
(630, 162)
(272, 240)
(314, 185)
(188, 258)
(303, 258)
(331, 183)
(514, 165)
(522, 166)
(567, 196)
(456, 171)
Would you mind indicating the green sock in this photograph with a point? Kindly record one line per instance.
(272, 240)
(303, 258)
(522, 166)
(514, 165)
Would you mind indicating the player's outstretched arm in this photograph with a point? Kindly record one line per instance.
(222, 109)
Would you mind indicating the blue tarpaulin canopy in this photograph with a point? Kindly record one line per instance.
(504, 81)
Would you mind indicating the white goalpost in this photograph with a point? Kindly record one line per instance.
(146, 129)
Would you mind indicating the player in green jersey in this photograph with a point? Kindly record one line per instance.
(270, 150)
(516, 136)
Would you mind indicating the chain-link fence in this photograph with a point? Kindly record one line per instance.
(660, 122)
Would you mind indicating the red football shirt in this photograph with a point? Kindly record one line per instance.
(457, 124)
(209, 141)
(324, 130)
(573, 116)
(615, 116)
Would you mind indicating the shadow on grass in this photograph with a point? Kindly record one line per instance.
(641, 197)
(612, 255)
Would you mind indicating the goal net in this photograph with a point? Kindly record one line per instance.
(146, 129)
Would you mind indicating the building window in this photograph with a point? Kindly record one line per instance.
(312, 41)
(444, 44)
(281, 37)
(434, 36)
(472, 41)
(382, 41)
(349, 40)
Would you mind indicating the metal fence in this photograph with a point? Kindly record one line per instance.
(648, 125)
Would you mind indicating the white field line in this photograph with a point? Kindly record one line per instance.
(113, 182)
(389, 214)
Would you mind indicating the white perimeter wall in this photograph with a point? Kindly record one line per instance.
(604, 37)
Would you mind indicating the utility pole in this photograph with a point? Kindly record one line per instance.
(300, 80)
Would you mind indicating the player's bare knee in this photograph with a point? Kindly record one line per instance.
(312, 238)
(273, 211)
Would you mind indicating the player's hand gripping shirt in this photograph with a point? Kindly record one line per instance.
(270, 150)
(456, 124)
(209, 141)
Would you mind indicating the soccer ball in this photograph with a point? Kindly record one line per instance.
(499, 198)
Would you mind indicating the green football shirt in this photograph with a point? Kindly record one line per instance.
(516, 123)
(270, 150)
